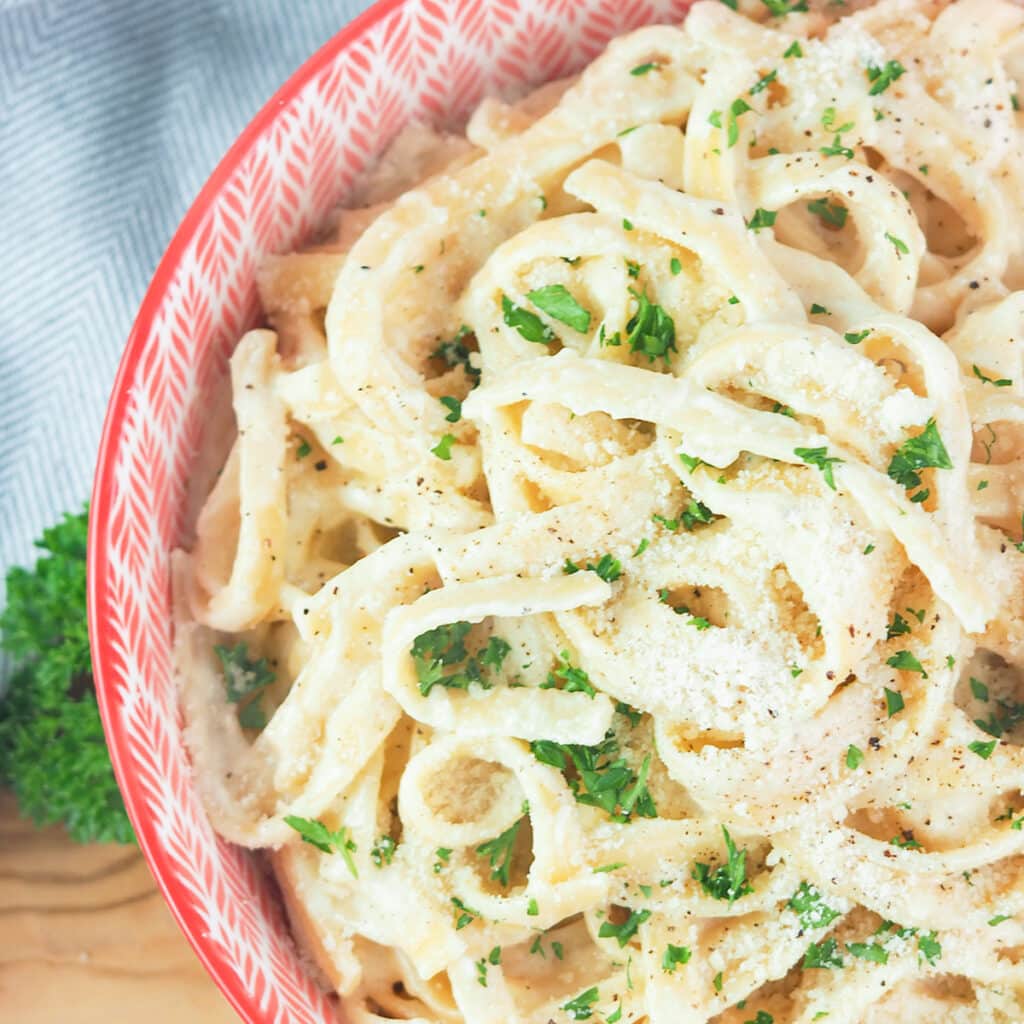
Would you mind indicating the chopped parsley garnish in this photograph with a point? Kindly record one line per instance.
(854, 757)
(642, 547)
(906, 841)
(581, 1006)
(828, 121)
(929, 947)
(463, 915)
(898, 243)
(810, 907)
(304, 448)
(691, 462)
(820, 458)
(872, 951)
(674, 956)
(818, 309)
(499, 850)
(607, 868)
(793, 50)
(836, 148)
(982, 748)
(831, 213)
(454, 407)
(443, 448)
(633, 269)
(442, 853)
(998, 919)
(317, 834)
(728, 881)
(881, 78)
(856, 337)
(246, 679)
(763, 82)
(650, 330)
(607, 567)
(622, 933)
(438, 650)
(926, 451)
(598, 778)
(762, 219)
(616, 1015)
(338, 439)
(1002, 382)
(823, 954)
(532, 909)
(642, 69)
(455, 353)
(898, 627)
(529, 325)
(694, 513)
(675, 267)
(732, 129)
(780, 8)
(630, 713)
(383, 851)
(906, 661)
(557, 301)
(761, 1017)
(568, 677)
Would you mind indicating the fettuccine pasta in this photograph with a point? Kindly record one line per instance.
(611, 606)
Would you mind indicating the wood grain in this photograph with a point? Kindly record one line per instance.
(86, 937)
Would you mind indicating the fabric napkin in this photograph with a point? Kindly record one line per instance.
(112, 115)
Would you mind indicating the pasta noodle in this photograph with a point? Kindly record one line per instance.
(612, 604)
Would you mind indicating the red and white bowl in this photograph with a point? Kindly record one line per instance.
(403, 59)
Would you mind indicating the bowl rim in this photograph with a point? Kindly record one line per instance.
(171, 889)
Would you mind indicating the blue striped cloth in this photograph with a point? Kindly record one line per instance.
(112, 115)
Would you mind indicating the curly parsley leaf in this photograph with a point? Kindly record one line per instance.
(52, 751)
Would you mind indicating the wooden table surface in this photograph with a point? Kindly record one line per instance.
(85, 937)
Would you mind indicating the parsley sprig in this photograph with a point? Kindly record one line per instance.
(52, 751)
